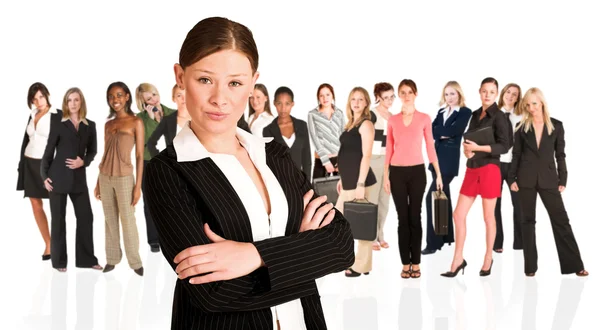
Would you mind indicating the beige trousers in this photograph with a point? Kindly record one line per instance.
(363, 260)
(383, 199)
(116, 193)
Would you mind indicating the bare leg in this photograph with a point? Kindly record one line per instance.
(460, 225)
(42, 221)
(489, 206)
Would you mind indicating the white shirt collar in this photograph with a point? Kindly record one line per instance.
(448, 108)
(189, 149)
(67, 118)
(36, 110)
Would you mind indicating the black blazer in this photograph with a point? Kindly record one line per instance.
(300, 150)
(166, 127)
(531, 167)
(448, 150)
(69, 143)
(243, 124)
(183, 196)
(54, 117)
(502, 128)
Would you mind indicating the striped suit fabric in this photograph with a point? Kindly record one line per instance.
(185, 195)
(325, 133)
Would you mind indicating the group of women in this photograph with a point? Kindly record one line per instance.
(237, 218)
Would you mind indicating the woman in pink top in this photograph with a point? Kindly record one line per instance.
(406, 178)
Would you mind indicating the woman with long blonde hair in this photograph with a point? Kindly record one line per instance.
(357, 180)
(539, 141)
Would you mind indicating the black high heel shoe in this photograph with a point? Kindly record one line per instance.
(487, 272)
(454, 273)
(45, 257)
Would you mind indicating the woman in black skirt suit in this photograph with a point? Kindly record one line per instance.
(32, 150)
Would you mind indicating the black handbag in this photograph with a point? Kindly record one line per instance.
(327, 186)
(482, 136)
(362, 216)
(440, 213)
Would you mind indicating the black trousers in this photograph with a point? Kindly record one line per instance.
(434, 241)
(150, 227)
(319, 170)
(568, 251)
(84, 233)
(517, 214)
(407, 185)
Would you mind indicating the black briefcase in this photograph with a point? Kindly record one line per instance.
(362, 216)
(440, 213)
(327, 186)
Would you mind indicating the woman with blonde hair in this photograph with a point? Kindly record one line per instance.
(509, 103)
(152, 112)
(259, 110)
(64, 175)
(448, 128)
(539, 142)
(357, 179)
(404, 174)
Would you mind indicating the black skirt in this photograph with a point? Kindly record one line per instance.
(34, 185)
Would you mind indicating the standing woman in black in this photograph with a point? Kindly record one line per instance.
(448, 128)
(32, 151)
(289, 130)
(74, 140)
(539, 140)
(482, 177)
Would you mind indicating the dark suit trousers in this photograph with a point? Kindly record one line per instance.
(84, 234)
(568, 251)
(407, 184)
(150, 227)
(517, 215)
(434, 241)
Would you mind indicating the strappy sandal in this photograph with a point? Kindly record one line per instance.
(352, 273)
(376, 246)
(384, 244)
(405, 273)
(498, 250)
(62, 270)
(530, 274)
(415, 273)
(582, 273)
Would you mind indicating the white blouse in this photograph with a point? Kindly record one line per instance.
(289, 141)
(38, 134)
(260, 123)
(514, 120)
(264, 226)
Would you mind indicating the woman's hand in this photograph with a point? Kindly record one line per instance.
(219, 261)
(339, 187)
(470, 146)
(329, 167)
(561, 188)
(74, 163)
(515, 187)
(439, 183)
(137, 193)
(97, 192)
(148, 109)
(468, 154)
(47, 184)
(316, 216)
(386, 185)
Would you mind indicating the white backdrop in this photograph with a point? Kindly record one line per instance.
(552, 46)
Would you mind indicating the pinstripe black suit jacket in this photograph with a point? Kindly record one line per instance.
(183, 196)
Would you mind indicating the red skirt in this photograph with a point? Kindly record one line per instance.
(485, 181)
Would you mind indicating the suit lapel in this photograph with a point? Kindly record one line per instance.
(214, 188)
(172, 124)
(450, 119)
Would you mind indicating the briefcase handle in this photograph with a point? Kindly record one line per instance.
(362, 200)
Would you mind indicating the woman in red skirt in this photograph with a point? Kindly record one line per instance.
(482, 176)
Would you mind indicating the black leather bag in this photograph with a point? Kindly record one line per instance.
(362, 216)
(482, 136)
(440, 213)
(327, 186)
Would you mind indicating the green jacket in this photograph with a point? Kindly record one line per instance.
(150, 125)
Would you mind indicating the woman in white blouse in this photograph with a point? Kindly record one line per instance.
(32, 150)
(510, 99)
(259, 110)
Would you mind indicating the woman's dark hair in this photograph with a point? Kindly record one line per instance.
(33, 89)
(380, 88)
(328, 86)
(112, 113)
(284, 90)
(489, 80)
(214, 34)
(408, 82)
